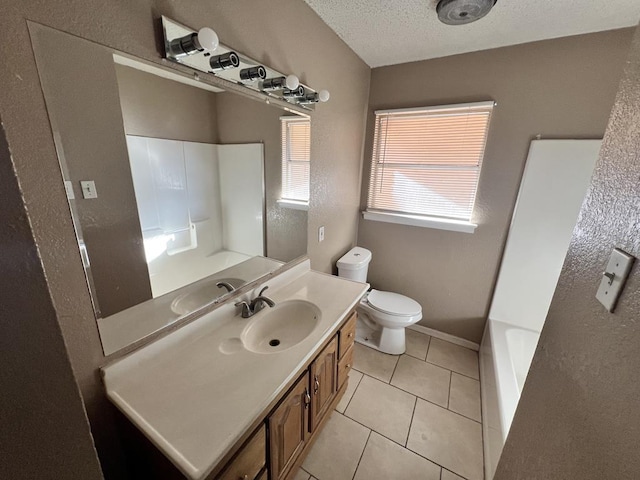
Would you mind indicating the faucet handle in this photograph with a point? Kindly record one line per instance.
(262, 291)
(246, 309)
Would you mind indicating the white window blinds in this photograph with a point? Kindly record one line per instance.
(296, 155)
(427, 161)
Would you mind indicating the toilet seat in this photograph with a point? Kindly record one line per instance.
(393, 304)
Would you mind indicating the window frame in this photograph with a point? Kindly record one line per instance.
(289, 201)
(417, 219)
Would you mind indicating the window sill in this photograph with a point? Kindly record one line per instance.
(419, 221)
(294, 204)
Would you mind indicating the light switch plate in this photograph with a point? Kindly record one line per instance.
(89, 189)
(321, 234)
(614, 278)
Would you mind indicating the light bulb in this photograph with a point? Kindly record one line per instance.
(324, 95)
(208, 39)
(292, 82)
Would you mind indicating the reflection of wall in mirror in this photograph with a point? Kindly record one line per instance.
(210, 220)
(243, 120)
(109, 224)
(187, 113)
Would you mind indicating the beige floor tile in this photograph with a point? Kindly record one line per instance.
(301, 475)
(447, 475)
(383, 408)
(384, 460)
(354, 380)
(422, 379)
(453, 357)
(448, 439)
(417, 344)
(464, 397)
(374, 363)
(337, 450)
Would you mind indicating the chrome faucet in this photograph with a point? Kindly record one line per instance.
(227, 285)
(257, 304)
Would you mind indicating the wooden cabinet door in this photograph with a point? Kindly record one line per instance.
(324, 382)
(289, 429)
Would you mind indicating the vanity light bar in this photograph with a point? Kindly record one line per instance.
(202, 51)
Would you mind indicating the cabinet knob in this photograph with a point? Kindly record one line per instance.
(316, 384)
(350, 335)
(348, 365)
(245, 477)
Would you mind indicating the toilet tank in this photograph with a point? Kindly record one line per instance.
(354, 264)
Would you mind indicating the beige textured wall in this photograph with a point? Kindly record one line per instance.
(243, 120)
(578, 416)
(560, 88)
(285, 34)
(45, 431)
(157, 107)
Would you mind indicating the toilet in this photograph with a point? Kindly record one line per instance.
(382, 316)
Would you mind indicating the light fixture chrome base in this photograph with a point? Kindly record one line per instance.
(461, 12)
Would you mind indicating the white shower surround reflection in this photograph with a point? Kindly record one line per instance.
(200, 207)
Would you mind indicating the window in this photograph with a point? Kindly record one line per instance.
(296, 156)
(426, 164)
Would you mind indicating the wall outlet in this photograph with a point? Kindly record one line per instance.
(321, 234)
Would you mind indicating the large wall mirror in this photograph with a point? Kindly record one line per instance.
(174, 185)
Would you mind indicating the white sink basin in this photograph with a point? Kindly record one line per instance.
(276, 329)
(200, 296)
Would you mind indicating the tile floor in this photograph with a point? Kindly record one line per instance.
(413, 416)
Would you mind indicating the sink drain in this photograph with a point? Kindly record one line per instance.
(274, 343)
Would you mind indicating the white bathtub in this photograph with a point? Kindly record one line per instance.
(505, 356)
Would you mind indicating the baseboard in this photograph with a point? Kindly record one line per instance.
(446, 337)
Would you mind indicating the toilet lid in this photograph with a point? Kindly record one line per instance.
(393, 303)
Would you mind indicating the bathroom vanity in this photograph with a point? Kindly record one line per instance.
(244, 398)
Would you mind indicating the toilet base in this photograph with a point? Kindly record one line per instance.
(386, 340)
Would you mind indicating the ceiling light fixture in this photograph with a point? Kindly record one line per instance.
(461, 12)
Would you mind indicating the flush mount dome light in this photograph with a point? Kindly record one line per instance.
(461, 12)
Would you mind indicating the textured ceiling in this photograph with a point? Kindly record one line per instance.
(386, 32)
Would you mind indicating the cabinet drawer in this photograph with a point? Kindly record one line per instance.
(344, 367)
(251, 459)
(347, 335)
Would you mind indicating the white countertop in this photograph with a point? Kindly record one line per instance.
(195, 392)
